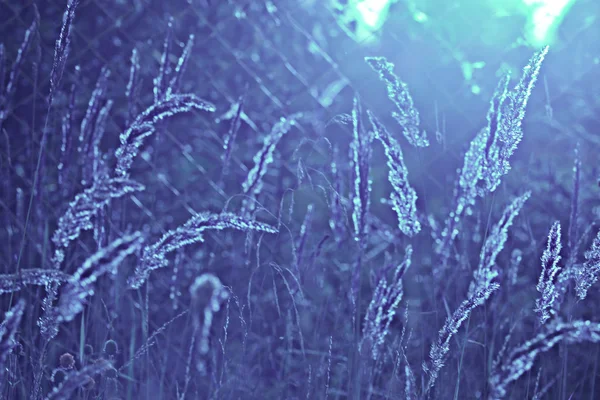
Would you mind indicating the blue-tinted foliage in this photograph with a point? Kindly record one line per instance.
(406, 115)
(545, 305)
(236, 200)
(403, 196)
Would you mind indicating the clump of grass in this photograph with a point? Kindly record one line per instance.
(305, 304)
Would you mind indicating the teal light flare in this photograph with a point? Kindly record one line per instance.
(365, 16)
(543, 19)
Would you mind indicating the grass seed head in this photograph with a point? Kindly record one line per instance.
(111, 348)
(67, 361)
(58, 375)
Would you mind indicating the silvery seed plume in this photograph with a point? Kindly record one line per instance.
(77, 218)
(383, 305)
(79, 214)
(587, 274)
(360, 149)
(342, 119)
(175, 81)
(162, 79)
(92, 129)
(540, 392)
(30, 277)
(253, 183)
(406, 115)
(80, 285)
(439, 350)
(230, 137)
(511, 114)
(403, 197)
(494, 114)
(360, 160)
(61, 48)
(208, 293)
(487, 270)
(545, 306)
(154, 256)
(66, 125)
(7, 93)
(471, 182)
(132, 83)
(486, 154)
(466, 190)
(78, 378)
(410, 384)
(8, 330)
(94, 106)
(17, 64)
(143, 126)
(521, 359)
(231, 112)
(96, 158)
(576, 271)
(465, 193)
(487, 159)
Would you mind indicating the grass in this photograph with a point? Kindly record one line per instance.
(217, 231)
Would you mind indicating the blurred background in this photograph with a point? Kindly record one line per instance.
(308, 56)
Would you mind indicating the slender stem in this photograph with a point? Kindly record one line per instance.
(460, 363)
(34, 184)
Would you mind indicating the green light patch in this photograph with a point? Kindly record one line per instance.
(544, 18)
(373, 12)
(362, 18)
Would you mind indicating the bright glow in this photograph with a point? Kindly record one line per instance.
(373, 12)
(420, 16)
(362, 18)
(544, 18)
